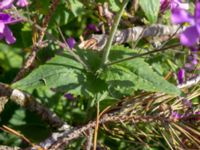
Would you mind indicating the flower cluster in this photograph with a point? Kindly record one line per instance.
(175, 116)
(190, 37)
(4, 4)
(188, 113)
(180, 15)
(6, 19)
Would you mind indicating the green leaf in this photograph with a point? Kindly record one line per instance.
(61, 16)
(63, 74)
(126, 77)
(121, 52)
(151, 9)
(59, 71)
(76, 7)
(91, 58)
(114, 5)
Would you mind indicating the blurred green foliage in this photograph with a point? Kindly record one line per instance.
(57, 73)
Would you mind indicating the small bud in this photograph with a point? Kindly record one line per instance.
(71, 42)
(92, 27)
(69, 96)
(181, 76)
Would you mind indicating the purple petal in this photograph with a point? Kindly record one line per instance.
(175, 115)
(22, 3)
(4, 17)
(2, 26)
(189, 37)
(7, 19)
(181, 16)
(181, 76)
(197, 16)
(71, 42)
(69, 96)
(6, 4)
(10, 39)
(179, 4)
(92, 27)
(194, 61)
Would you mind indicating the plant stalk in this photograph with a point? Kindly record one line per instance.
(143, 54)
(106, 49)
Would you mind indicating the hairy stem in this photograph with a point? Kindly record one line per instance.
(108, 45)
(140, 55)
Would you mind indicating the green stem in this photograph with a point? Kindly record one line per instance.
(106, 49)
(140, 55)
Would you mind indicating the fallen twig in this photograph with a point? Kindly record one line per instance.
(3, 147)
(131, 35)
(27, 101)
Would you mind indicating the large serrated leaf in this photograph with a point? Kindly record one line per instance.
(136, 74)
(151, 9)
(64, 74)
(77, 7)
(59, 71)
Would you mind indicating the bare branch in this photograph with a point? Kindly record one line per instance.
(3, 147)
(27, 101)
(89, 139)
(132, 35)
(63, 138)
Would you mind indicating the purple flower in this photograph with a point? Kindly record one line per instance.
(191, 35)
(92, 27)
(71, 42)
(179, 4)
(22, 3)
(175, 115)
(69, 96)
(4, 4)
(5, 32)
(181, 75)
